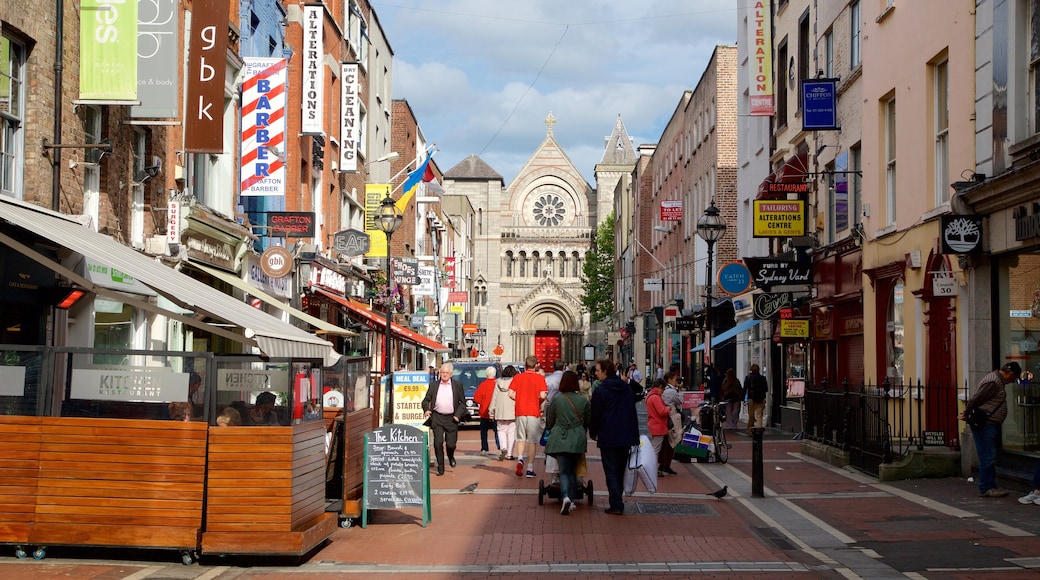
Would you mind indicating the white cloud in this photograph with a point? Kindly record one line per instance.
(465, 65)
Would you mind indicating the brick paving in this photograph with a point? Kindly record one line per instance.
(815, 521)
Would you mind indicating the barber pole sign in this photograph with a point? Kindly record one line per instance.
(263, 127)
(313, 68)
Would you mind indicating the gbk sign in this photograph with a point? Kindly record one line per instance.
(351, 242)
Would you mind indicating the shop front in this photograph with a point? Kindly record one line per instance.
(119, 446)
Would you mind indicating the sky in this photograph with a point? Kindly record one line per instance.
(482, 75)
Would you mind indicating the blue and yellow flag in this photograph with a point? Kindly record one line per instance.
(411, 183)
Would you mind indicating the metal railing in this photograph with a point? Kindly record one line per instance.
(880, 424)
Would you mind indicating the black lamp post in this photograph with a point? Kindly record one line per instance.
(388, 220)
(711, 227)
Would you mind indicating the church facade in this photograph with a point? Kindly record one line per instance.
(530, 243)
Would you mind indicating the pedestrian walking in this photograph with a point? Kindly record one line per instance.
(985, 411)
(755, 390)
(657, 417)
(732, 394)
(503, 413)
(674, 401)
(444, 405)
(567, 418)
(528, 389)
(615, 428)
(482, 397)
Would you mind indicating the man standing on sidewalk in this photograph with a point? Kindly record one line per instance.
(444, 405)
(991, 398)
(528, 390)
(615, 428)
(755, 390)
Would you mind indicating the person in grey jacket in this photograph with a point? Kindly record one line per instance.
(615, 428)
(567, 419)
(503, 413)
(990, 397)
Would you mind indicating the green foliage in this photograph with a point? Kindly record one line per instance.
(597, 276)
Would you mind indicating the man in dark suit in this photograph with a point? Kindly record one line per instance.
(444, 406)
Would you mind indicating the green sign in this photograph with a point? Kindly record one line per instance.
(108, 50)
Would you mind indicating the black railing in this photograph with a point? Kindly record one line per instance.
(879, 424)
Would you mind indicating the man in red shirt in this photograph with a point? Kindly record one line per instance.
(483, 400)
(528, 389)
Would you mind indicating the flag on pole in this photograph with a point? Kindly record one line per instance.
(430, 180)
(411, 183)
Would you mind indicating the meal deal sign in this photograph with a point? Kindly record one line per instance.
(779, 218)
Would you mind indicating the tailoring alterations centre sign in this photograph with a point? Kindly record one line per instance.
(779, 218)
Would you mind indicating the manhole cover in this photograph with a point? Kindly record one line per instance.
(676, 509)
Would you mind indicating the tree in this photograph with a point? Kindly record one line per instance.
(597, 275)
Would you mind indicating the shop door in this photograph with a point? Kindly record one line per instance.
(547, 348)
(940, 388)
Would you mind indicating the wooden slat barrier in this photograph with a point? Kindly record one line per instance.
(19, 471)
(120, 482)
(266, 490)
(357, 424)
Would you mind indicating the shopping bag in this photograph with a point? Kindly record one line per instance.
(642, 466)
(552, 467)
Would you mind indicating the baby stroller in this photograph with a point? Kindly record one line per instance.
(552, 489)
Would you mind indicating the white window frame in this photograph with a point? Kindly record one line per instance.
(855, 30)
(92, 131)
(941, 124)
(140, 150)
(890, 160)
(12, 117)
(828, 54)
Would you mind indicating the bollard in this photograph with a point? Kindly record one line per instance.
(756, 463)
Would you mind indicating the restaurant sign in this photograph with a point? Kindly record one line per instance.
(769, 272)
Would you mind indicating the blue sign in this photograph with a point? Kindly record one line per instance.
(734, 278)
(820, 105)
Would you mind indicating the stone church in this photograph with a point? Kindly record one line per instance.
(530, 242)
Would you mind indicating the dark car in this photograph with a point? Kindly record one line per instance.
(471, 374)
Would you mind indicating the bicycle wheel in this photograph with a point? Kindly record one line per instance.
(721, 447)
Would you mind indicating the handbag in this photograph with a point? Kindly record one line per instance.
(545, 437)
(977, 418)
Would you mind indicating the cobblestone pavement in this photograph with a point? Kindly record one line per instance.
(815, 521)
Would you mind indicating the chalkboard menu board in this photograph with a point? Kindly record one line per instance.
(397, 473)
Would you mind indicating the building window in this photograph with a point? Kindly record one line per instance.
(803, 53)
(523, 264)
(576, 265)
(828, 54)
(856, 182)
(854, 35)
(563, 264)
(890, 160)
(509, 264)
(782, 85)
(894, 335)
(536, 270)
(1033, 88)
(12, 115)
(942, 132)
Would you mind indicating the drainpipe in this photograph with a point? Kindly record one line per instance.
(59, 48)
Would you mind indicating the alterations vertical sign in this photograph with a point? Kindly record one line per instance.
(349, 116)
(263, 126)
(207, 61)
(313, 68)
(760, 58)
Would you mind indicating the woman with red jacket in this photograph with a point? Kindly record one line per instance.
(657, 413)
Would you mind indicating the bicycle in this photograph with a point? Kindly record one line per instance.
(717, 414)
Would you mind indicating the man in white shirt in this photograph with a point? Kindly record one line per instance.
(552, 381)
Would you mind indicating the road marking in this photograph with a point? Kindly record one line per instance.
(144, 573)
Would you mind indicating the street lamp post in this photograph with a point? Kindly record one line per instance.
(388, 220)
(710, 227)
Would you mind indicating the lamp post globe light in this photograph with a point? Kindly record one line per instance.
(388, 220)
(710, 227)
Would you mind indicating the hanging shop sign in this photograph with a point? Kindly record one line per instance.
(767, 305)
(406, 271)
(350, 113)
(291, 224)
(313, 69)
(794, 328)
(779, 218)
(820, 105)
(769, 272)
(671, 210)
(760, 57)
(276, 262)
(734, 278)
(962, 234)
(351, 242)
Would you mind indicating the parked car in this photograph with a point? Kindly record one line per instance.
(471, 374)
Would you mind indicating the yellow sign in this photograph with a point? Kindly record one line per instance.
(459, 309)
(375, 193)
(794, 328)
(784, 218)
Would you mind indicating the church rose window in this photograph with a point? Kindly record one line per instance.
(549, 210)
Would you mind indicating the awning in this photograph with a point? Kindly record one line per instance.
(274, 338)
(376, 320)
(723, 337)
(789, 178)
(321, 325)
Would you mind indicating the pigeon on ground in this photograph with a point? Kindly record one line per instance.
(470, 488)
(719, 494)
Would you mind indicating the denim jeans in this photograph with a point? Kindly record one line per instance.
(485, 426)
(568, 474)
(986, 448)
(615, 461)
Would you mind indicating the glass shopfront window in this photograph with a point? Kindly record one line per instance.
(1017, 295)
(268, 394)
(894, 335)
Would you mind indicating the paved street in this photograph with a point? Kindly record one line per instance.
(815, 521)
